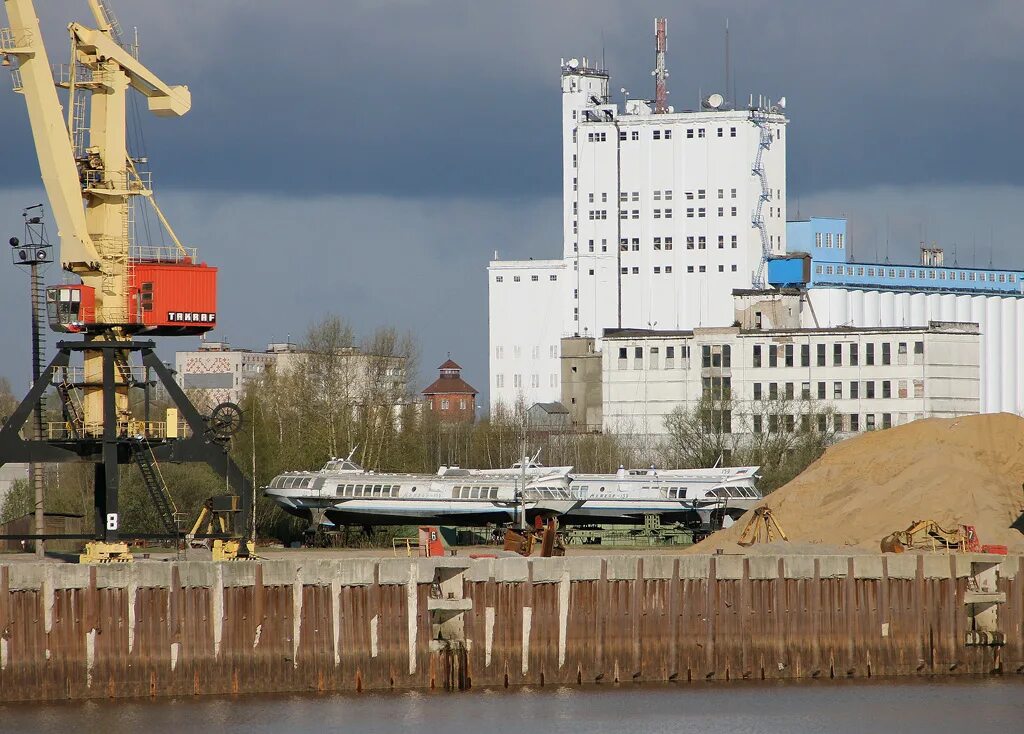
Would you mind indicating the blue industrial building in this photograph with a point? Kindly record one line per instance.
(822, 241)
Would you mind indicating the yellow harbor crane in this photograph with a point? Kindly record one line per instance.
(120, 289)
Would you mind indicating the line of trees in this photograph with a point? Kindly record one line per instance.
(340, 393)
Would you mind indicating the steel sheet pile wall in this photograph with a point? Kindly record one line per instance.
(152, 628)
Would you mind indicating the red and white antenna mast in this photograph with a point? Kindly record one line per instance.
(659, 73)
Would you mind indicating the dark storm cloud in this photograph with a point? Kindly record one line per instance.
(460, 98)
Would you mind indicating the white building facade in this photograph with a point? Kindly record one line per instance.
(664, 214)
(858, 379)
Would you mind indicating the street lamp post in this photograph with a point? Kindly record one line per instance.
(34, 253)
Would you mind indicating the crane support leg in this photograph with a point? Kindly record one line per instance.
(115, 445)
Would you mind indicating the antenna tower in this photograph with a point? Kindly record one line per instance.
(660, 91)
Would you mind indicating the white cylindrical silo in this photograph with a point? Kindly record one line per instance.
(978, 317)
(1008, 356)
(993, 355)
(887, 309)
(963, 308)
(918, 310)
(838, 307)
(856, 314)
(947, 307)
(871, 308)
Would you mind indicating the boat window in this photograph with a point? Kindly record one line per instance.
(474, 493)
(358, 491)
(735, 492)
(395, 489)
(493, 493)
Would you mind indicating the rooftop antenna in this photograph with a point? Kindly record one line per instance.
(727, 63)
(887, 238)
(659, 73)
(991, 244)
(603, 65)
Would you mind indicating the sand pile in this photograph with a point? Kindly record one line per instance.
(966, 470)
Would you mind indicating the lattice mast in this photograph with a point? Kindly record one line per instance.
(659, 73)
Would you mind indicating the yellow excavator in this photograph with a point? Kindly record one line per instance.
(218, 517)
(929, 535)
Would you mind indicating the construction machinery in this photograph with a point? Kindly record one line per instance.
(119, 289)
(218, 518)
(544, 531)
(762, 527)
(929, 535)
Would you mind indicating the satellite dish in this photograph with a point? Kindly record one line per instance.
(574, 63)
(714, 101)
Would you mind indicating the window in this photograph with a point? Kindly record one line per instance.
(720, 133)
(854, 422)
(886, 420)
(689, 212)
(869, 389)
(668, 135)
(668, 268)
(918, 352)
(757, 391)
(822, 423)
(805, 355)
(657, 243)
(702, 242)
(732, 132)
(733, 211)
(886, 389)
(789, 391)
(668, 243)
(758, 425)
(757, 355)
(498, 279)
(886, 353)
(701, 212)
(837, 391)
(635, 135)
(534, 278)
(854, 390)
(657, 213)
(821, 391)
(516, 279)
(773, 391)
(869, 353)
(668, 214)
(657, 270)
(837, 355)
(854, 356)
(821, 355)
(700, 132)
(773, 355)
(689, 132)
(689, 242)
(805, 391)
(657, 134)
(869, 421)
(789, 355)
(721, 242)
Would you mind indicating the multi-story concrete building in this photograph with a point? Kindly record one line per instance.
(838, 291)
(664, 214)
(856, 378)
(217, 373)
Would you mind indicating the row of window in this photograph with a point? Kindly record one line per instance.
(839, 236)
(519, 278)
(667, 269)
(368, 490)
(517, 351)
(657, 134)
(841, 423)
(517, 380)
(786, 354)
(854, 390)
(915, 274)
(475, 493)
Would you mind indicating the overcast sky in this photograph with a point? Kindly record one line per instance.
(367, 157)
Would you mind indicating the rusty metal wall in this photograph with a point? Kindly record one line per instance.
(135, 637)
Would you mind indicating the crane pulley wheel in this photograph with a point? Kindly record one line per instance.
(226, 420)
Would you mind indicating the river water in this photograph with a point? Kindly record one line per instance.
(966, 706)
